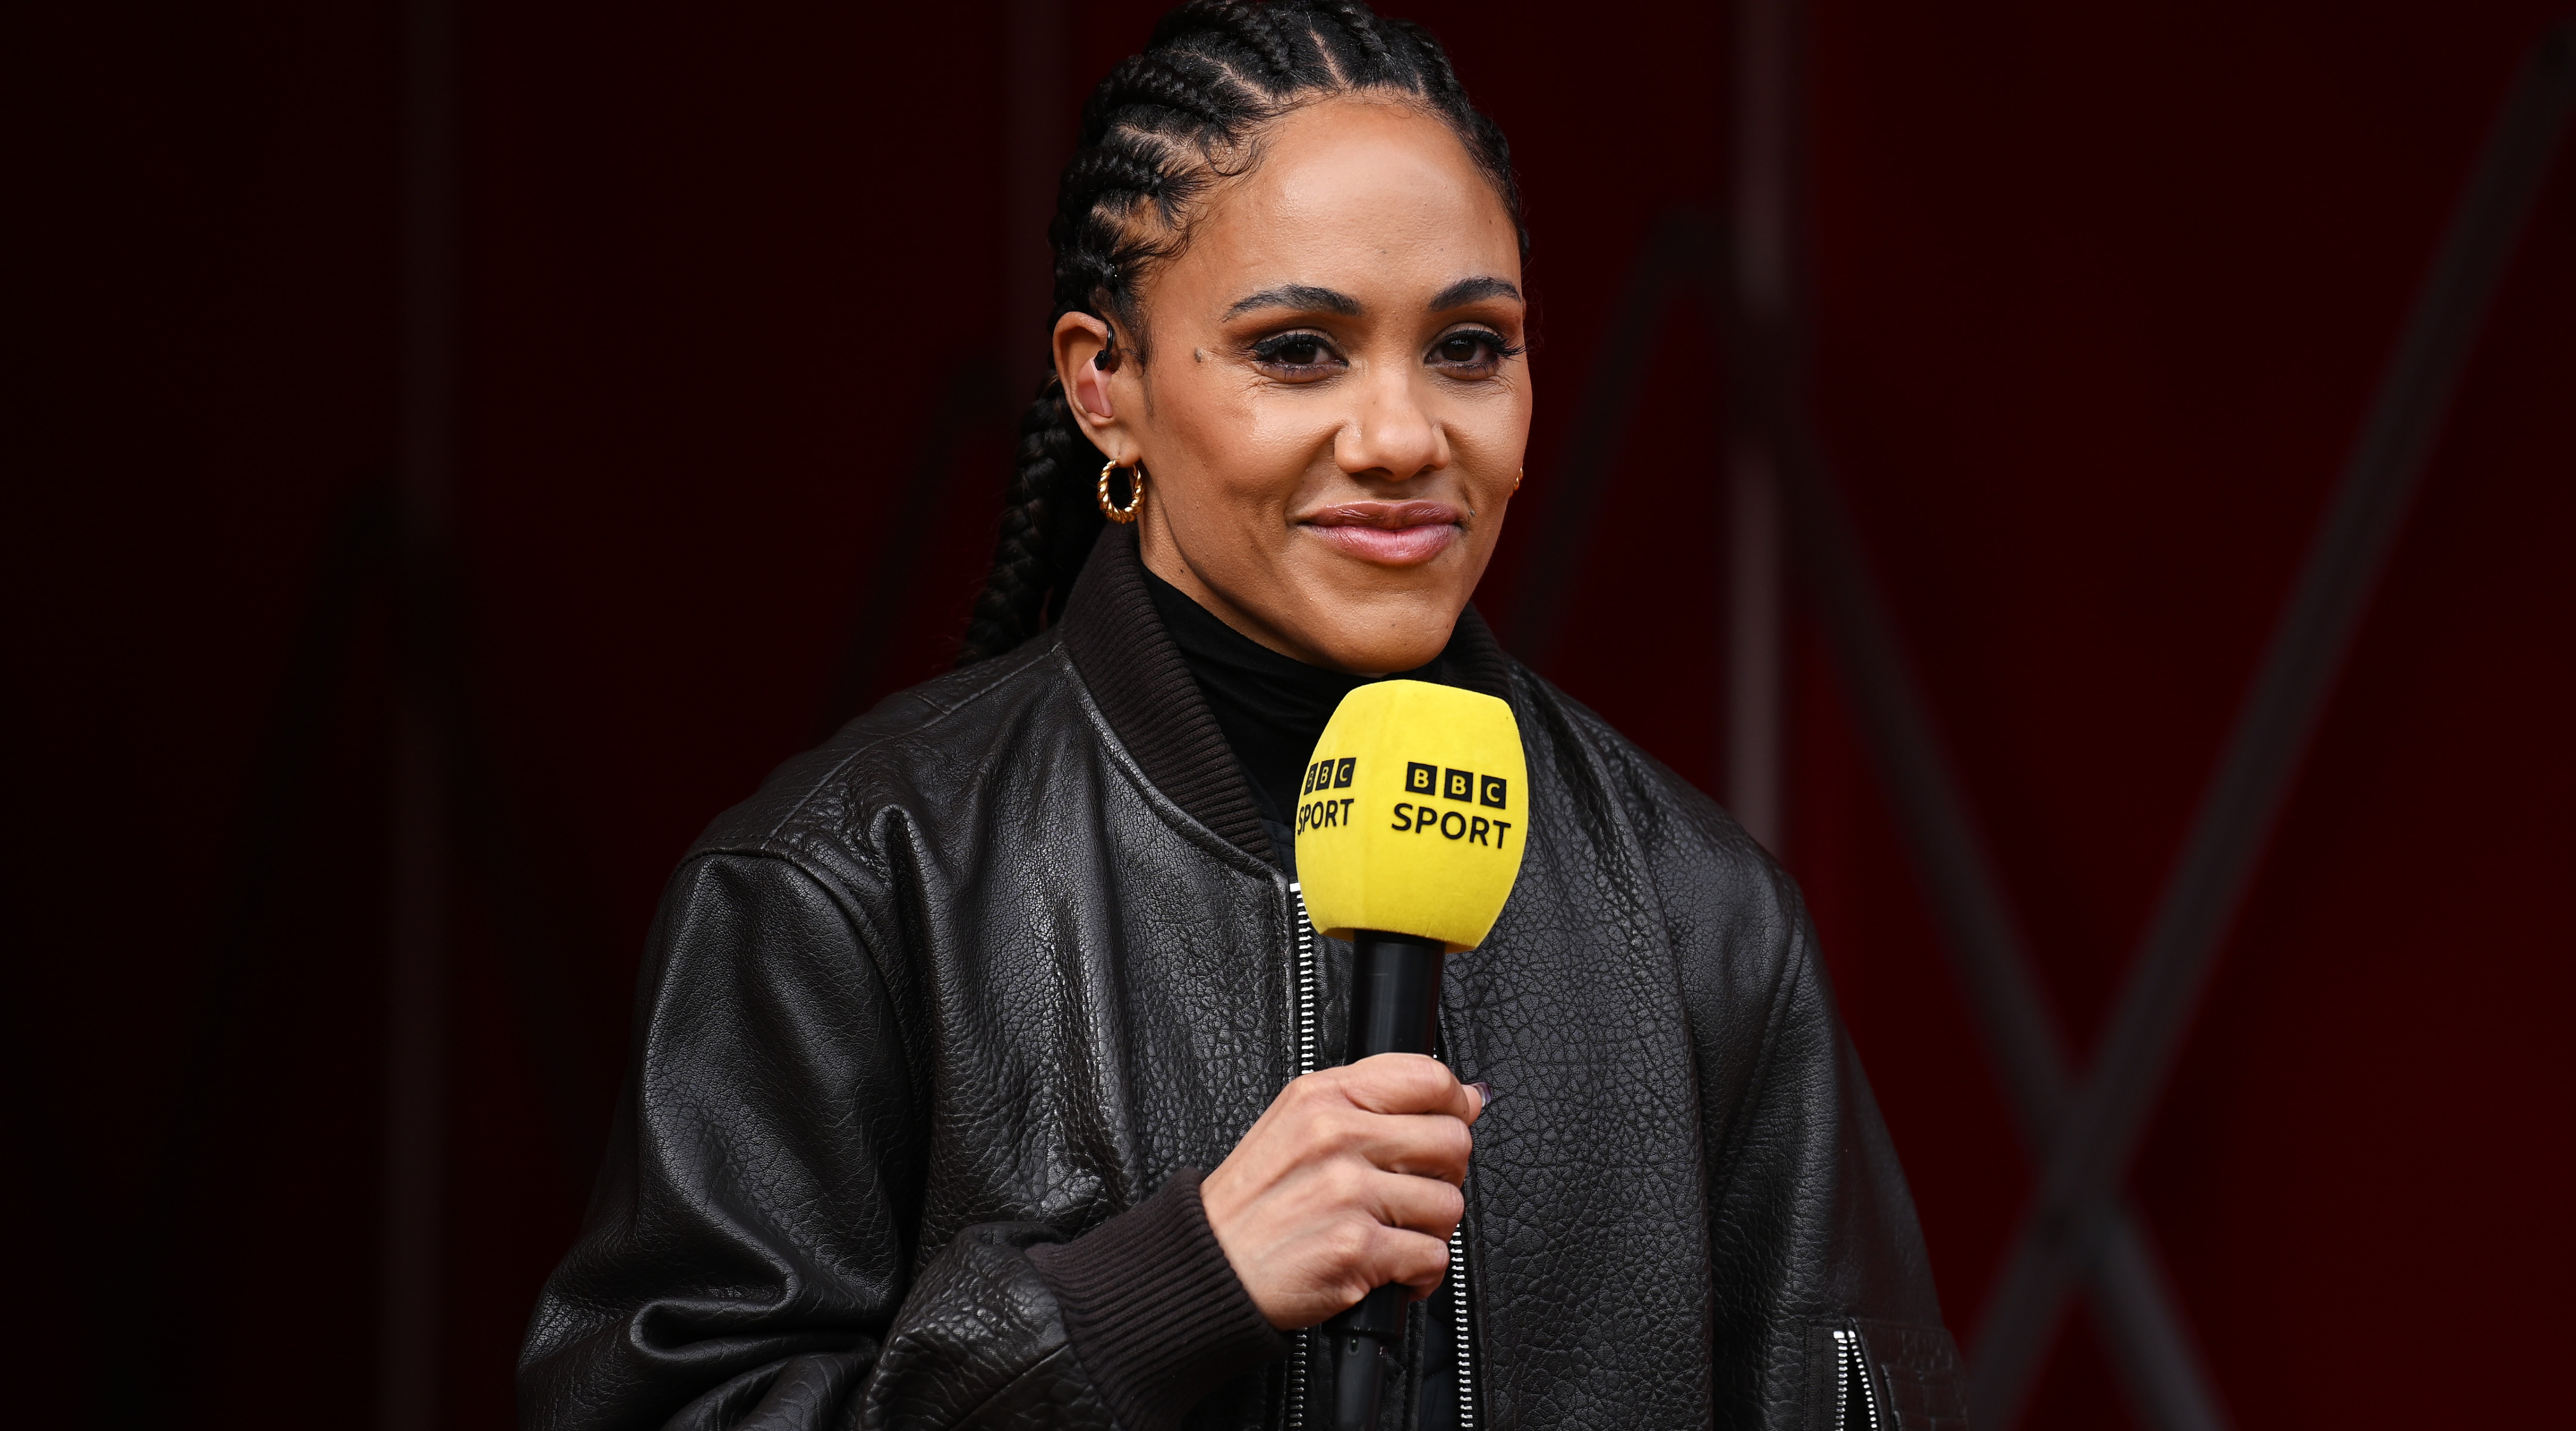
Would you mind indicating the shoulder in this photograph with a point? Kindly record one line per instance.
(924, 756)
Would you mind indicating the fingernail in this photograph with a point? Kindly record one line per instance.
(1484, 1091)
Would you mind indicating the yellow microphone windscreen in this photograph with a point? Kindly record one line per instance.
(1412, 814)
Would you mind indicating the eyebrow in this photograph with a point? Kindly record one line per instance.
(1331, 300)
(1298, 295)
(1469, 290)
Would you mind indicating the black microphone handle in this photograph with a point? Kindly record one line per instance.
(1395, 1005)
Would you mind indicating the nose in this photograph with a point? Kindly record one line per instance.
(1389, 436)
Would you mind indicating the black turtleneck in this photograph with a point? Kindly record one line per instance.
(1272, 708)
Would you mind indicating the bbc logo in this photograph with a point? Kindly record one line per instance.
(1464, 786)
(1329, 775)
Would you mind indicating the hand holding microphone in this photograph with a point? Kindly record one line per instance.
(1348, 1183)
(1410, 826)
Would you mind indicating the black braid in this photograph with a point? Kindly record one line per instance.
(1047, 515)
(1159, 129)
(1363, 25)
(1254, 27)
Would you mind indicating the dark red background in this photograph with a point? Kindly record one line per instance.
(2101, 293)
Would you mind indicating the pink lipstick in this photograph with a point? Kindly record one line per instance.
(1390, 533)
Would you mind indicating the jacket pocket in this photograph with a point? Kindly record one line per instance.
(1883, 1376)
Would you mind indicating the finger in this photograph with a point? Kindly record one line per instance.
(1425, 1145)
(1347, 1186)
(1431, 1145)
(1414, 1260)
(1425, 1205)
(1406, 1083)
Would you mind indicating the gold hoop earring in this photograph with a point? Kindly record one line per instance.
(1516, 478)
(1135, 493)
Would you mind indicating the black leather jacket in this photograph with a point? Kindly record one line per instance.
(1012, 952)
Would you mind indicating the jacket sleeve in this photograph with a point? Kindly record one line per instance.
(747, 1259)
(1826, 1314)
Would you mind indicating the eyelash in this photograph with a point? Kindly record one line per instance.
(1267, 350)
(1496, 350)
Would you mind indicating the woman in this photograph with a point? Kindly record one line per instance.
(939, 1030)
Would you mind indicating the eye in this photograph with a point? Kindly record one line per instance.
(1471, 352)
(1302, 354)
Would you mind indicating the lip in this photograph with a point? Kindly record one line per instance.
(1390, 533)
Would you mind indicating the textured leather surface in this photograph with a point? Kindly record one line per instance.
(968, 979)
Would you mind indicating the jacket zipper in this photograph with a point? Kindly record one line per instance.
(1464, 1367)
(1302, 1000)
(1851, 1363)
(1301, 1360)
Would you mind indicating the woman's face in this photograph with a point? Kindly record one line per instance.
(1334, 400)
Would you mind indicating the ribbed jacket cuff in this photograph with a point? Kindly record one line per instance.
(1153, 1308)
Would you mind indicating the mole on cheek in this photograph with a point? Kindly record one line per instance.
(1199, 353)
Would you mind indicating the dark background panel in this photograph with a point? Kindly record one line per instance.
(202, 334)
(2102, 304)
(2100, 301)
(2376, 1067)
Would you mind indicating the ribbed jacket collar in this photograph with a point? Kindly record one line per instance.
(1138, 679)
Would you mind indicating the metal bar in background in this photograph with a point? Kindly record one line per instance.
(2157, 1357)
(972, 397)
(1767, 154)
(2264, 753)
(2142, 1320)
(413, 1206)
(2148, 1336)
(1675, 256)
(1755, 625)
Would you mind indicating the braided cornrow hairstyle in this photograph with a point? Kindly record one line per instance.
(1163, 126)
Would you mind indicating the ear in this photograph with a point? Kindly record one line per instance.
(1094, 394)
